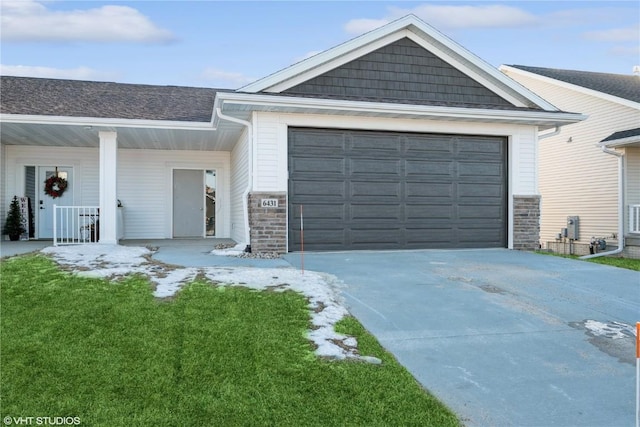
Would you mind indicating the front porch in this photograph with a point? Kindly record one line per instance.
(180, 252)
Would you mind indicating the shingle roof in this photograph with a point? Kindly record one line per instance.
(620, 85)
(75, 98)
(622, 134)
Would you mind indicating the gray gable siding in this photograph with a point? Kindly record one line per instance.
(74, 98)
(402, 71)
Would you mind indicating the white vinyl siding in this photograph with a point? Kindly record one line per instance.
(576, 177)
(84, 162)
(144, 182)
(267, 155)
(239, 181)
(145, 189)
(3, 180)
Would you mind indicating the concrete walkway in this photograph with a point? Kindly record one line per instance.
(8, 248)
(183, 252)
(504, 338)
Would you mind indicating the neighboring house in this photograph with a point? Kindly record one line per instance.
(578, 178)
(399, 138)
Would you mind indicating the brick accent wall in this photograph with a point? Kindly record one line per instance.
(268, 224)
(526, 222)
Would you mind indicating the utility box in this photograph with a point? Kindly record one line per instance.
(573, 227)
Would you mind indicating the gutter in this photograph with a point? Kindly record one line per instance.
(270, 102)
(620, 157)
(245, 194)
(549, 134)
(106, 122)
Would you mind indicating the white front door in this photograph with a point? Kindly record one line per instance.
(44, 206)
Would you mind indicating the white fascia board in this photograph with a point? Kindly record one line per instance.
(621, 142)
(571, 86)
(377, 108)
(104, 122)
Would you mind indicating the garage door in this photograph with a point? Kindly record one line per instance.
(389, 190)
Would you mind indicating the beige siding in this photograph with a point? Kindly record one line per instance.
(576, 177)
(633, 175)
(632, 168)
(239, 181)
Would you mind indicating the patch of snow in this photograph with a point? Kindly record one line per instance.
(169, 285)
(94, 255)
(234, 251)
(613, 330)
(322, 290)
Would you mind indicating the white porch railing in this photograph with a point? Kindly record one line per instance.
(75, 225)
(634, 218)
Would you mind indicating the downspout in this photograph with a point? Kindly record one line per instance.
(620, 157)
(245, 195)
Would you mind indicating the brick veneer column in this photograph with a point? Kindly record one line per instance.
(268, 225)
(526, 222)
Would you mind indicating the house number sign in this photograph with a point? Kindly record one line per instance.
(269, 203)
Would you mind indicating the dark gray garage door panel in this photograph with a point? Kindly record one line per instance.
(389, 190)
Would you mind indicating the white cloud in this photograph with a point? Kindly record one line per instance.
(631, 34)
(626, 51)
(79, 73)
(363, 25)
(221, 77)
(452, 17)
(31, 21)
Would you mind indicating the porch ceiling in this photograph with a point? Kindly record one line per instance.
(221, 139)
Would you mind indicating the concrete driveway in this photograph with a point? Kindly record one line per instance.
(504, 338)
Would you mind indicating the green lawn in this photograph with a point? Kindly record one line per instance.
(628, 263)
(112, 355)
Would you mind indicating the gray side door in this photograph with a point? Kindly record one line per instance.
(188, 203)
(392, 190)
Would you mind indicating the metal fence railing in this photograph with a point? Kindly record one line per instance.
(75, 225)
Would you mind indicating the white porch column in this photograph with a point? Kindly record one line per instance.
(108, 184)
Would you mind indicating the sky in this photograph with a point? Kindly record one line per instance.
(228, 44)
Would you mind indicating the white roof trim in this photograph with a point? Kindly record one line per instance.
(621, 141)
(104, 122)
(571, 86)
(300, 104)
(421, 33)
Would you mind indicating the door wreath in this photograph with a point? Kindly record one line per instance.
(55, 186)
